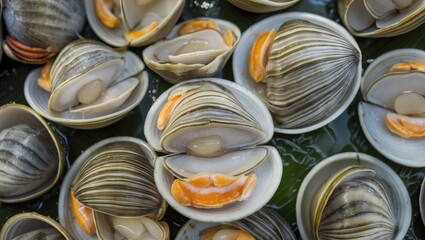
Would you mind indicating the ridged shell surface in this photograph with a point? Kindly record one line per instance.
(44, 23)
(118, 180)
(28, 159)
(309, 72)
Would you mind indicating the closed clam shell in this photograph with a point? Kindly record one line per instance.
(32, 226)
(262, 6)
(31, 157)
(33, 24)
(354, 14)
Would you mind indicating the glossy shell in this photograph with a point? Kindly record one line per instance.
(262, 6)
(372, 112)
(240, 66)
(422, 201)
(26, 135)
(26, 222)
(320, 173)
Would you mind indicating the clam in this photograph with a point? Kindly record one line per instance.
(31, 27)
(422, 201)
(381, 18)
(110, 193)
(1, 30)
(196, 48)
(215, 173)
(263, 224)
(290, 60)
(31, 155)
(262, 6)
(392, 114)
(354, 196)
(133, 22)
(32, 226)
(90, 85)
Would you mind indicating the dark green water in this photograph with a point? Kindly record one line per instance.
(299, 152)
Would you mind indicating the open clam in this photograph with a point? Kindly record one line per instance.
(196, 48)
(392, 112)
(353, 195)
(263, 224)
(31, 26)
(422, 201)
(289, 61)
(33, 226)
(262, 6)
(133, 22)
(31, 155)
(381, 18)
(112, 200)
(90, 85)
(215, 173)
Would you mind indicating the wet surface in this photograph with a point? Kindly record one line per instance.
(299, 152)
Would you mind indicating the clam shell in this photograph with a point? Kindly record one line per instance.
(26, 222)
(407, 152)
(38, 98)
(422, 201)
(22, 150)
(240, 68)
(263, 224)
(175, 73)
(66, 217)
(262, 6)
(392, 25)
(319, 174)
(269, 174)
(169, 10)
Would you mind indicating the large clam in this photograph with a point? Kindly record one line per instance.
(195, 48)
(392, 114)
(354, 196)
(31, 156)
(263, 224)
(110, 193)
(133, 22)
(39, 30)
(26, 226)
(381, 18)
(90, 85)
(305, 67)
(211, 126)
(262, 6)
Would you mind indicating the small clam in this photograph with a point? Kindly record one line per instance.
(422, 201)
(195, 48)
(90, 85)
(381, 18)
(31, 157)
(262, 6)
(132, 22)
(263, 224)
(393, 89)
(31, 26)
(212, 126)
(306, 68)
(27, 226)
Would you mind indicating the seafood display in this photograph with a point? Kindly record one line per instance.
(380, 18)
(89, 85)
(263, 224)
(133, 22)
(393, 89)
(25, 226)
(194, 49)
(306, 69)
(212, 133)
(31, 156)
(262, 6)
(30, 28)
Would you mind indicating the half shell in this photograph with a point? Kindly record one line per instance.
(31, 154)
(262, 6)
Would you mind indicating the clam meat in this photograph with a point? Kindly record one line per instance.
(354, 203)
(308, 70)
(39, 30)
(28, 159)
